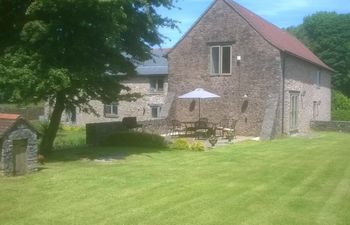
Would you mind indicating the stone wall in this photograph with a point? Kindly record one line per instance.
(141, 108)
(342, 126)
(245, 92)
(96, 133)
(20, 131)
(300, 77)
(28, 112)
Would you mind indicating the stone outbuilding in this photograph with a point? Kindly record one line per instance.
(18, 145)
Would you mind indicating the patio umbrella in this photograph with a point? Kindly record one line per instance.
(199, 94)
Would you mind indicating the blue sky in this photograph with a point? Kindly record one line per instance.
(283, 13)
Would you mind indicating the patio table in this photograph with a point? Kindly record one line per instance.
(199, 131)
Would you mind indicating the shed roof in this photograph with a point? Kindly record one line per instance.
(8, 121)
(157, 65)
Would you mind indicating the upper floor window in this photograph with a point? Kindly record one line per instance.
(318, 79)
(110, 110)
(157, 85)
(221, 59)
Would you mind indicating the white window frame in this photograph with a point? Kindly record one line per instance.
(220, 59)
(159, 109)
(111, 111)
(156, 80)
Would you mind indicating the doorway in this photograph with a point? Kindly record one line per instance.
(294, 111)
(20, 156)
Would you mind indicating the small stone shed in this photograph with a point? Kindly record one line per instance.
(18, 145)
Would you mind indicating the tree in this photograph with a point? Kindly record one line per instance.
(68, 52)
(328, 35)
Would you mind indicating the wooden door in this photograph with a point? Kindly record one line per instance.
(294, 112)
(20, 156)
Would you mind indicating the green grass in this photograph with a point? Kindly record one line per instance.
(69, 137)
(287, 181)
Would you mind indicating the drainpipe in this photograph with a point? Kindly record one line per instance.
(283, 89)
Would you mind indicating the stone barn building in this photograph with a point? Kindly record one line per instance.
(18, 141)
(267, 79)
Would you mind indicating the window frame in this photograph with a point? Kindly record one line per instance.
(156, 80)
(159, 110)
(112, 112)
(318, 79)
(315, 110)
(220, 60)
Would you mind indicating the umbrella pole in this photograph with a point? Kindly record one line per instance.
(199, 107)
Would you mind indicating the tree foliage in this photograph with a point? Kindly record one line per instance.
(68, 52)
(327, 34)
(340, 101)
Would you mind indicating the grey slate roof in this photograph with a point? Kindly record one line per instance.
(156, 66)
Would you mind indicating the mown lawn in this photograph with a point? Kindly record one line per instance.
(287, 181)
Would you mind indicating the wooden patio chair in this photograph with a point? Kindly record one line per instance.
(231, 128)
(176, 128)
(224, 124)
(202, 128)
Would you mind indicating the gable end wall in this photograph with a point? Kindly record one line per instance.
(258, 75)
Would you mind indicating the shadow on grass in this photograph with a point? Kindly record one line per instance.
(41, 167)
(98, 153)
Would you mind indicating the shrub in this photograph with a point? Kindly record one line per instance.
(341, 115)
(181, 144)
(135, 139)
(197, 146)
(71, 128)
(340, 101)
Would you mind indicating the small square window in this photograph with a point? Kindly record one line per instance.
(155, 110)
(111, 110)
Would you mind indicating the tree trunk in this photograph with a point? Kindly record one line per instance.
(49, 136)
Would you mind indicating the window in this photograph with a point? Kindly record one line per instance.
(220, 60)
(71, 115)
(315, 110)
(294, 109)
(111, 110)
(155, 110)
(318, 79)
(157, 85)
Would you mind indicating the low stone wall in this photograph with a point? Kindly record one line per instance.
(155, 126)
(96, 133)
(343, 126)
